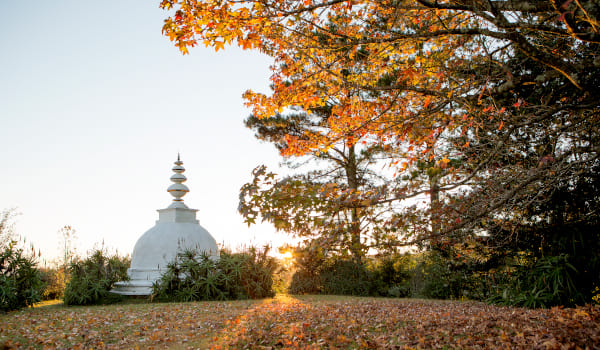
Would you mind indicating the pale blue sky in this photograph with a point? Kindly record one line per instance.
(95, 104)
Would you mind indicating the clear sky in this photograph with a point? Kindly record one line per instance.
(95, 104)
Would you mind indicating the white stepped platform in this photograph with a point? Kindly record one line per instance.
(133, 288)
(140, 282)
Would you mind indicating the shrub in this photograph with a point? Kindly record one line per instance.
(195, 276)
(346, 277)
(20, 281)
(55, 281)
(440, 274)
(392, 275)
(548, 282)
(192, 276)
(257, 273)
(308, 263)
(433, 277)
(305, 282)
(387, 275)
(457, 271)
(92, 279)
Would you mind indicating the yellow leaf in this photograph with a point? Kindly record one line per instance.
(219, 45)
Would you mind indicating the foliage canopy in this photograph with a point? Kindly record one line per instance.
(500, 95)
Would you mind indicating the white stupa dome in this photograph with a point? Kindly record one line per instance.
(176, 230)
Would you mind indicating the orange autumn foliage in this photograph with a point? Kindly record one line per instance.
(337, 52)
(426, 81)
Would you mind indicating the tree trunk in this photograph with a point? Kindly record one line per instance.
(434, 200)
(354, 226)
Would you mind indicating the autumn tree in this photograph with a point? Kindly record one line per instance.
(509, 88)
(324, 200)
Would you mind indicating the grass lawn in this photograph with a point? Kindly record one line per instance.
(306, 322)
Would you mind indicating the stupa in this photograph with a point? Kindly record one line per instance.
(176, 230)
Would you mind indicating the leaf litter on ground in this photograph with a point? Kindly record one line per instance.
(302, 322)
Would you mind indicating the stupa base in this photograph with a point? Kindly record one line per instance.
(133, 287)
(140, 282)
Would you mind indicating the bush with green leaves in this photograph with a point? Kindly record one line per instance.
(92, 279)
(195, 276)
(55, 281)
(346, 277)
(316, 273)
(305, 282)
(258, 270)
(392, 274)
(21, 283)
(547, 282)
(453, 270)
(434, 277)
(308, 263)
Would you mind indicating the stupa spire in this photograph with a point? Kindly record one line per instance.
(178, 189)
